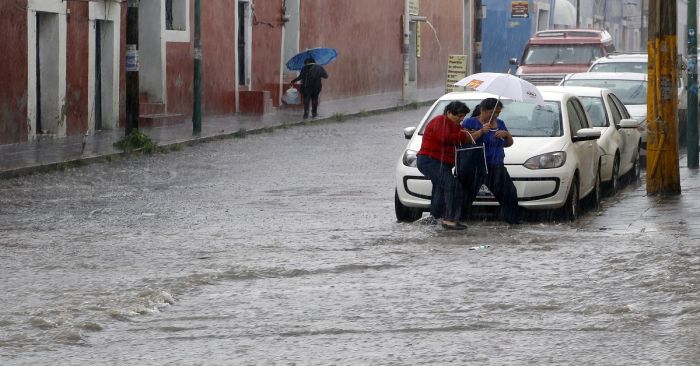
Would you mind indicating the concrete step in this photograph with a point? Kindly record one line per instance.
(151, 108)
(160, 119)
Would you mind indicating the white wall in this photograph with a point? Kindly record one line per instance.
(52, 66)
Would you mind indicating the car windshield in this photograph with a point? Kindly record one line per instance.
(629, 91)
(561, 54)
(596, 111)
(639, 67)
(522, 119)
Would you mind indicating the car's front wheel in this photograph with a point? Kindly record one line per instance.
(571, 208)
(405, 213)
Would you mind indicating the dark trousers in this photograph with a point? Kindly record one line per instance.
(499, 183)
(447, 192)
(311, 97)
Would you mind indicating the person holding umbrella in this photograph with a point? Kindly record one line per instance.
(492, 132)
(436, 159)
(310, 76)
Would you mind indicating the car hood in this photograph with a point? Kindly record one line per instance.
(637, 111)
(526, 147)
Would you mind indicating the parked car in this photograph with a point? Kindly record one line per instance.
(554, 161)
(621, 62)
(629, 87)
(551, 54)
(639, 62)
(620, 135)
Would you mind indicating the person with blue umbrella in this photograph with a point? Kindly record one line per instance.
(310, 77)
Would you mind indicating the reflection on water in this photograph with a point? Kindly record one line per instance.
(274, 250)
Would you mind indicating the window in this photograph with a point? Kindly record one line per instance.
(176, 15)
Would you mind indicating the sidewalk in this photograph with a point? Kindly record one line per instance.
(47, 154)
(632, 210)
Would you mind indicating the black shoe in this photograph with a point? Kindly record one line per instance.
(314, 115)
(306, 115)
(456, 226)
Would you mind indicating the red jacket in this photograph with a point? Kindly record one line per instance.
(440, 138)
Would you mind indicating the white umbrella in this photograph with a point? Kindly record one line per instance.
(504, 86)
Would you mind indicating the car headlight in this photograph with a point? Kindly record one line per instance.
(409, 158)
(546, 161)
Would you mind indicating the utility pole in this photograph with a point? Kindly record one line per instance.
(691, 129)
(132, 66)
(197, 108)
(663, 176)
(578, 14)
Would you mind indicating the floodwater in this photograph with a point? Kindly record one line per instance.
(283, 248)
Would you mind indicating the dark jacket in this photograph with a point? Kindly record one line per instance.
(310, 77)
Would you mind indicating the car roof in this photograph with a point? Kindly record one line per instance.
(586, 91)
(607, 75)
(623, 57)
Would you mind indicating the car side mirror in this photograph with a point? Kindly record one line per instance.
(586, 134)
(513, 61)
(628, 123)
(408, 132)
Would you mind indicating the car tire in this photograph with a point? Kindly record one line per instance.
(572, 208)
(636, 171)
(405, 213)
(614, 184)
(596, 196)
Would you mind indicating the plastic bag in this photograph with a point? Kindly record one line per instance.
(292, 96)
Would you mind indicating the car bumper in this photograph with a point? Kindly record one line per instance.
(537, 189)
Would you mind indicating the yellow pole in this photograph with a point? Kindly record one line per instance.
(663, 176)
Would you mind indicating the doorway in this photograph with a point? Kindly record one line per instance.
(48, 114)
(244, 43)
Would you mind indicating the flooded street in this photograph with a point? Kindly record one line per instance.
(283, 248)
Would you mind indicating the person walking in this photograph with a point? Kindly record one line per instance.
(310, 76)
(436, 160)
(492, 132)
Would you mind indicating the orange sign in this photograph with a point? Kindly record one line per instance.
(474, 84)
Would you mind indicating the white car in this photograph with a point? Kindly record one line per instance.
(554, 161)
(630, 87)
(625, 62)
(639, 63)
(621, 137)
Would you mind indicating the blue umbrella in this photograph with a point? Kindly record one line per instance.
(322, 55)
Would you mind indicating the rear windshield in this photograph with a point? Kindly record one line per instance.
(639, 67)
(552, 54)
(629, 91)
(522, 119)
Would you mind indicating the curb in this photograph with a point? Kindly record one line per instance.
(241, 133)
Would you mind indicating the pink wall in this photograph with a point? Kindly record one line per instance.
(218, 65)
(367, 35)
(267, 38)
(13, 72)
(77, 69)
(446, 16)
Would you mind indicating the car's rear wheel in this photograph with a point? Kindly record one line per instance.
(405, 213)
(596, 196)
(614, 183)
(636, 171)
(571, 209)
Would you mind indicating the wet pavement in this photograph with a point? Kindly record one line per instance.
(274, 250)
(47, 154)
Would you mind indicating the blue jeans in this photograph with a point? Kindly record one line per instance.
(446, 198)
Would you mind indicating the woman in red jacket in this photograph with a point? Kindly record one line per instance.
(436, 159)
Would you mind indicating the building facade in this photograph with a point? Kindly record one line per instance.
(65, 60)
